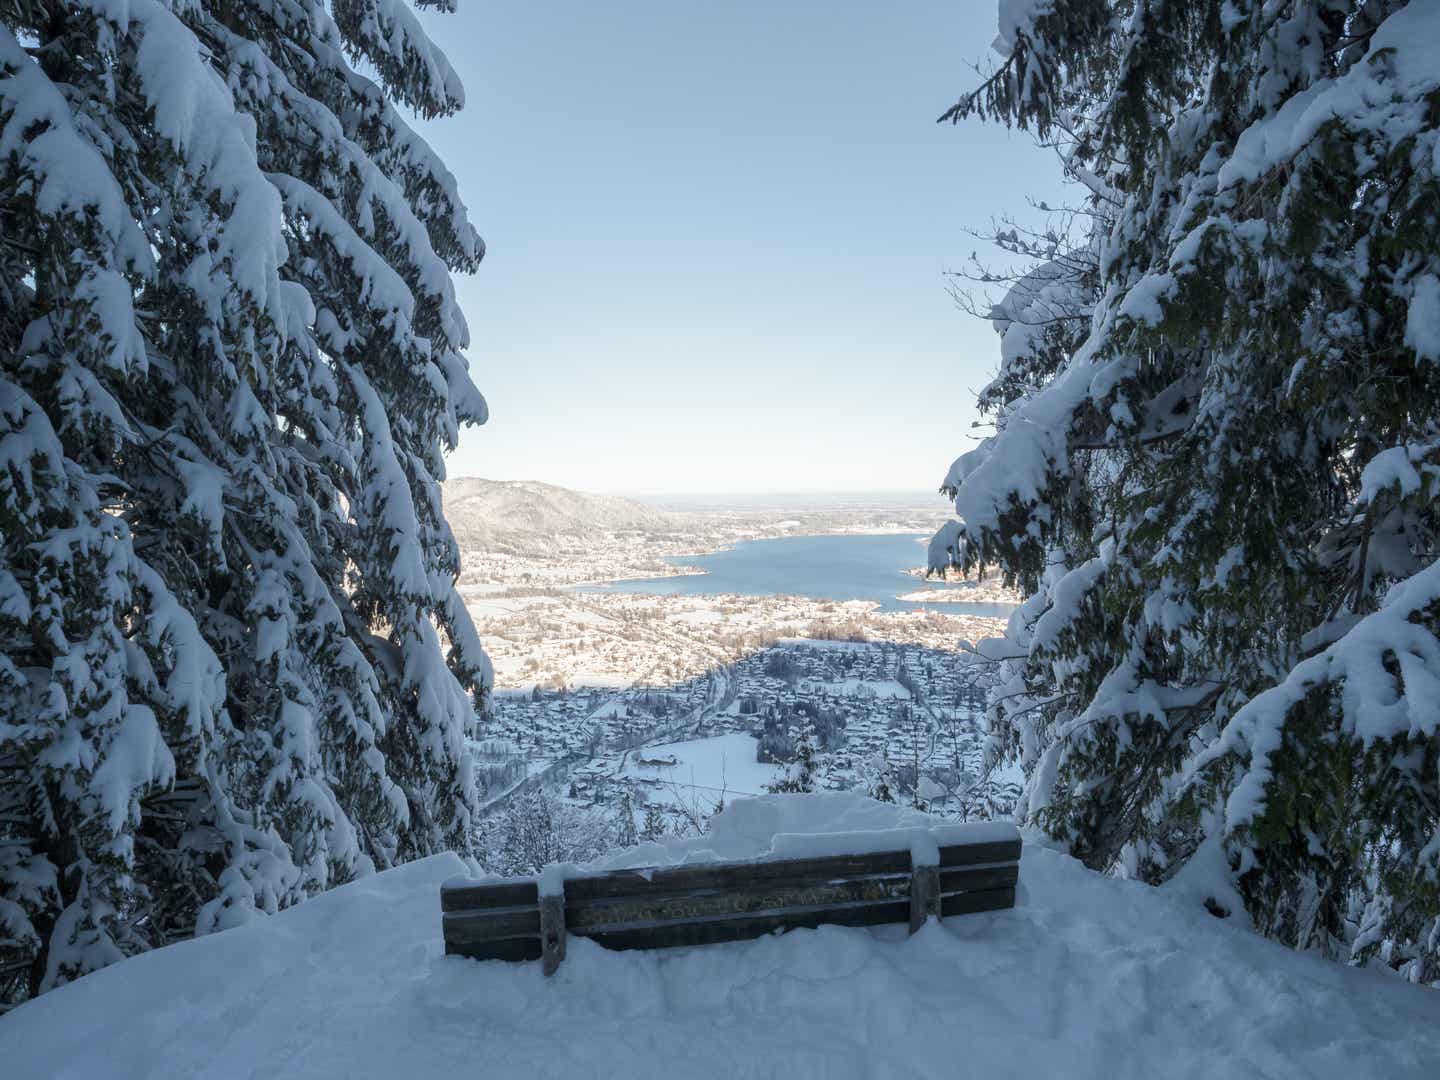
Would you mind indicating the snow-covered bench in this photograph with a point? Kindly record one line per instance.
(851, 879)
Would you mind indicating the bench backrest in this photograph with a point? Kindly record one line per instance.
(714, 902)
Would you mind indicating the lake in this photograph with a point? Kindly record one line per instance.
(848, 567)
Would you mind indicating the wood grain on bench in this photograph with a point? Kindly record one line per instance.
(706, 903)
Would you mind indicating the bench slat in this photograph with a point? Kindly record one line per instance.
(755, 897)
(487, 925)
(741, 928)
(521, 948)
(989, 877)
(995, 851)
(687, 879)
(503, 894)
(968, 903)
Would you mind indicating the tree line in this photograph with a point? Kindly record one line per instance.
(1216, 454)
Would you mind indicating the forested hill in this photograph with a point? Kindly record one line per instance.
(489, 512)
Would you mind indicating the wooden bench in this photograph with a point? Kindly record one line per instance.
(947, 870)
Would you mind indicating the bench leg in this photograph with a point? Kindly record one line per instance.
(552, 932)
(924, 895)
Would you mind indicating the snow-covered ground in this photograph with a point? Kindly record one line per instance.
(704, 768)
(880, 688)
(949, 594)
(1086, 977)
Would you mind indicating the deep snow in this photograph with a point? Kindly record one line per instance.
(1087, 976)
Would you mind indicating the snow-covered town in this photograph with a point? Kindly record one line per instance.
(874, 712)
(558, 639)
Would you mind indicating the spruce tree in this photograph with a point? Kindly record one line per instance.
(1214, 472)
(799, 778)
(653, 827)
(625, 832)
(882, 785)
(234, 669)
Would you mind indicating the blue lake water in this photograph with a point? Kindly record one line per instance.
(859, 567)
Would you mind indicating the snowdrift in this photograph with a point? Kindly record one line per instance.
(1086, 977)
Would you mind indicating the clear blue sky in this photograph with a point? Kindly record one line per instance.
(717, 234)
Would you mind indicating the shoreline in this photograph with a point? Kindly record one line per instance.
(671, 571)
(962, 592)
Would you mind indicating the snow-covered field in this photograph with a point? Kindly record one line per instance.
(704, 768)
(1086, 977)
(880, 688)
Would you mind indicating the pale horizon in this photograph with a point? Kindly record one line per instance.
(777, 493)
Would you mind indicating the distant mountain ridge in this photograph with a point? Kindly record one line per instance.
(486, 512)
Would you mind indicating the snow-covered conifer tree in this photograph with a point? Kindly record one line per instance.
(625, 832)
(1218, 487)
(882, 785)
(653, 827)
(799, 778)
(234, 669)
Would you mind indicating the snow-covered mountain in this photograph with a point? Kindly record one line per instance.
(508, 512)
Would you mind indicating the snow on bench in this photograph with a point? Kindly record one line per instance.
(848, 878)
